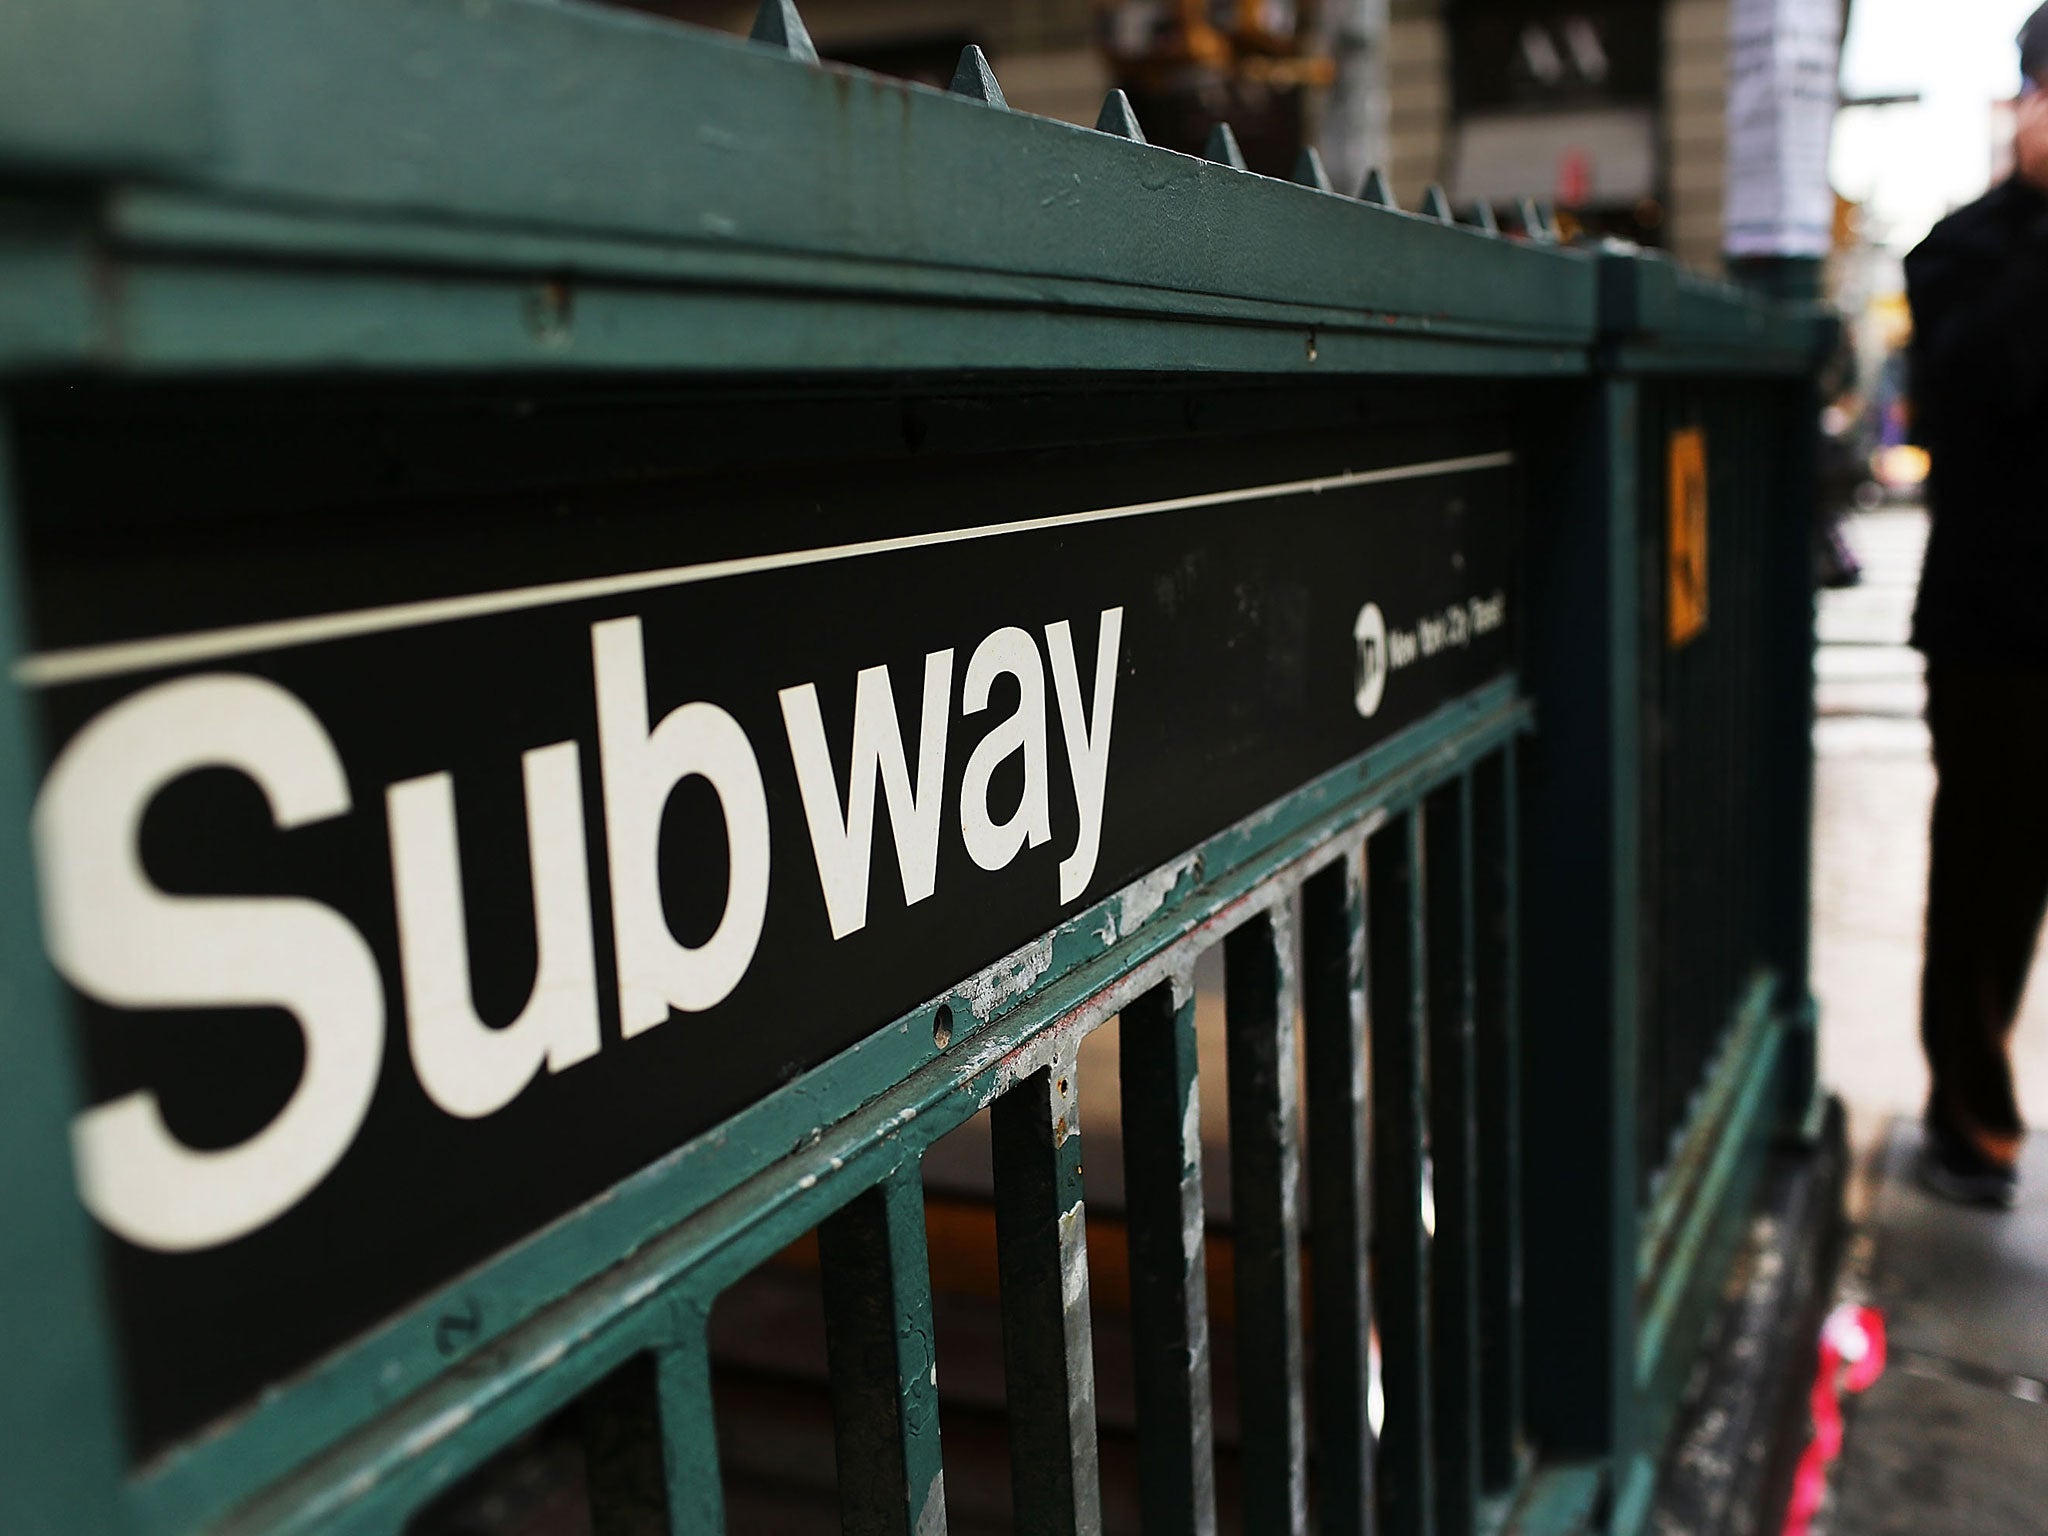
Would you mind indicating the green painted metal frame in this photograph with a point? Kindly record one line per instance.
(61, 1464)
(432, 187)
(381, 183)
(1665, 326)
(1642, 1278)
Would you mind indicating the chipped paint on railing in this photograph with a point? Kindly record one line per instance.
(1010, 977)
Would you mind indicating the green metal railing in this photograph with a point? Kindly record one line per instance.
(462, 306)
(1723, 1053)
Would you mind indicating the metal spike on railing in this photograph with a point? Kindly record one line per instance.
(1437, 206)
(1483, 219)
(975, 79)
(1309, 172)
(778, 25)
(1534, 226)
(1117, 117)
(1376, 190)
(1222, 148)
(1547, 212)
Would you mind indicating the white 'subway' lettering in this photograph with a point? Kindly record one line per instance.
(119, 939)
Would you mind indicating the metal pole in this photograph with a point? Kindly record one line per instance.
(1353, 134)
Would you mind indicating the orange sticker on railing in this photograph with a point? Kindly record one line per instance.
(1685, 606)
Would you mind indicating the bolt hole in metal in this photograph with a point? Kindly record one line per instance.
(549, 311)
(942, 1026)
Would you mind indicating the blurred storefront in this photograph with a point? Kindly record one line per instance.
(1616, 110)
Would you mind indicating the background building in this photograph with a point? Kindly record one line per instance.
(1614, 109)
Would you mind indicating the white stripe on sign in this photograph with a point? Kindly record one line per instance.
(82, 663)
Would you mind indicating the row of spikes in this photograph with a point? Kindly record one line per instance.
(778, 25)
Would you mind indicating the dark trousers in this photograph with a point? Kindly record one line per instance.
(1987, 885)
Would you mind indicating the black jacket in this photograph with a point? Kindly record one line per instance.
(1978, 285)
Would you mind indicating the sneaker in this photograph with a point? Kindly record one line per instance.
(1955, 1170)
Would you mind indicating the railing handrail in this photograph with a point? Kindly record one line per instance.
(657, 160)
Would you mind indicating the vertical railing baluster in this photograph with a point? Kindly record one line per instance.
(1497, 1047)
(878, 1344)
(1400, 1242)
(1588, 901)
(689, 1428)
(1265, 1220)
(1454, 1314)
(1169, 1285)
(1339, 1210)
(1042, 1252)
(620, 1424)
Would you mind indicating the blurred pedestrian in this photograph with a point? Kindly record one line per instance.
(1844, 466)
(1978, 286)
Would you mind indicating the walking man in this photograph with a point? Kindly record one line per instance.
(1978, 286)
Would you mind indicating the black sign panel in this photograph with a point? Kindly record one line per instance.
(416, 881)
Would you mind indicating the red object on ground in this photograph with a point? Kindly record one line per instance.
(1851, 1359)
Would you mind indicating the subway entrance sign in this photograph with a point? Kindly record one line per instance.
(420, 871)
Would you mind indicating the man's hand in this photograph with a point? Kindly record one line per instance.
(2030, 140)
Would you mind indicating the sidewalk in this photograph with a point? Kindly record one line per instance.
(1953, 1441)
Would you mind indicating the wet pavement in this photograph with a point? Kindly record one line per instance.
(1954, 1438)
